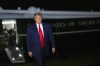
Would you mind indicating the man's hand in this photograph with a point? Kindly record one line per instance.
(53, 50)
(30, 54)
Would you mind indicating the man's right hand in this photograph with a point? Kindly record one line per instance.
(30, 54)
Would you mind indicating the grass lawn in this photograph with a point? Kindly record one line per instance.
(86, 58)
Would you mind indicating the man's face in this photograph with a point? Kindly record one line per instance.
(38, 19)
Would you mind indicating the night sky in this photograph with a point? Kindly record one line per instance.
(67, 5)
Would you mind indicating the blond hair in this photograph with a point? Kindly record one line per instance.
(38, 14)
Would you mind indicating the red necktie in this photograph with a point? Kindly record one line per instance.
(41, 37)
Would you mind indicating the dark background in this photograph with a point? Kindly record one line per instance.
(79, 49)
(69, 5)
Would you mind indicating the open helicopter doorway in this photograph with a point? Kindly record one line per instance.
(10, 41)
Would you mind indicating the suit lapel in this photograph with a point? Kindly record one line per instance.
(44, 29)
(35, 28)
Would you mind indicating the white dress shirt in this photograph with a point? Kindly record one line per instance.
(41, 26)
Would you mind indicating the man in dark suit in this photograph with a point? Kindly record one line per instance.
(40, 40)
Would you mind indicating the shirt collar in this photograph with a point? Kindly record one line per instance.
(38, 24)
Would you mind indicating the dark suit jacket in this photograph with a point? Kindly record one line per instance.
(33, 42)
